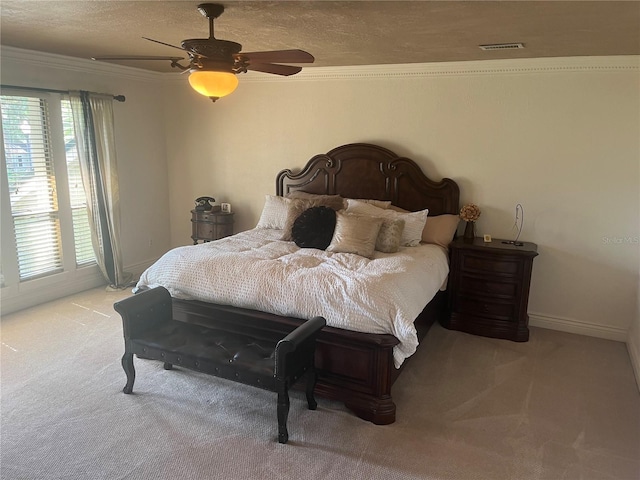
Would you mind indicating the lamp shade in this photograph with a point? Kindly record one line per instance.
(213, 84)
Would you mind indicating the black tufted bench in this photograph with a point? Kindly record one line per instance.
(150, 332)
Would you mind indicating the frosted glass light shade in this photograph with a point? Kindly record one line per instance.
(213, 84)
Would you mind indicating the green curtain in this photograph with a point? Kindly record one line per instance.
(94, 131)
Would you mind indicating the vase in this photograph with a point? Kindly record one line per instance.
(469, 232)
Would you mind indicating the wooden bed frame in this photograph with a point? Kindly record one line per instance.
(356, 368)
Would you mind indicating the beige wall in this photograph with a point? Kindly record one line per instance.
(633, 339)
(633, 345)
(140, 149)
(559, 136)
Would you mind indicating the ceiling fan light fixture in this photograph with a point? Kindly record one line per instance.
(213, 84)
(214, 63)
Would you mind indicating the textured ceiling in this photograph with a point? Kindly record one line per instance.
(336, 33)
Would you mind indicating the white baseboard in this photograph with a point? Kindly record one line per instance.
(35, 292)
(136, 269)
(577, 327)
(42, 290)
(592, 330)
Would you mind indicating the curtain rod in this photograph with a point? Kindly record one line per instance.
(119, 98)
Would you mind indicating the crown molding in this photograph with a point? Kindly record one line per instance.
(630, 63)
(73, 64)
(481, 67)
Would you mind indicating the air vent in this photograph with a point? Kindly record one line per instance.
(501, 46)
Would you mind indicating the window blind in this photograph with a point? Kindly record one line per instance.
(33, 191)
(32, 185)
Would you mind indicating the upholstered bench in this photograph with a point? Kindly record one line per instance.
(275, 365)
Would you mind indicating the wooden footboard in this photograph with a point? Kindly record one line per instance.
(355, 368)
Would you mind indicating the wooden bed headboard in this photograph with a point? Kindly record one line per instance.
(362, 170)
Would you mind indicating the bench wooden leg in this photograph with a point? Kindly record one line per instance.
(127, 365)
(283, 414)
(312, 377)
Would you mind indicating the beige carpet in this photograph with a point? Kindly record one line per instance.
(558, 407)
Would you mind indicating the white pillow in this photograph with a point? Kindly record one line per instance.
(439, 229)
(414, 222)
(274, 213)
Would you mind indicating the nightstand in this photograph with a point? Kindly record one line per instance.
(210, 225)
(489, 288)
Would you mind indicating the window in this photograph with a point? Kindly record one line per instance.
(42, 177)
(78, 200)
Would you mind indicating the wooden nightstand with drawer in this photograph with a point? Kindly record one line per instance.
(209, 225)
(489, 288)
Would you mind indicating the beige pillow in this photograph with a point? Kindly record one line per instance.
(299, 205)
(332, 201)
(274, 213)
(296, 207)
(397, 209)
(440, 229)
(413, 221)
(384, 204)
(355, 234)
(390, 235)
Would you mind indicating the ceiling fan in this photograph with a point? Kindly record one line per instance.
(214, 63)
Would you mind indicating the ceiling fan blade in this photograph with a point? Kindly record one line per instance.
(274, 68)
(135, 57)
(162, 43)
(280, 56)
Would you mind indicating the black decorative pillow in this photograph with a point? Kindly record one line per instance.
(314, 228)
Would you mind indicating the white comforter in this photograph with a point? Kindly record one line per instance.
(256, 270)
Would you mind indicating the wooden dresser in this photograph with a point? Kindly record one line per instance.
(210, 225)
(489, 288)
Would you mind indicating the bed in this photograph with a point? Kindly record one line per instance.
(354, 366)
